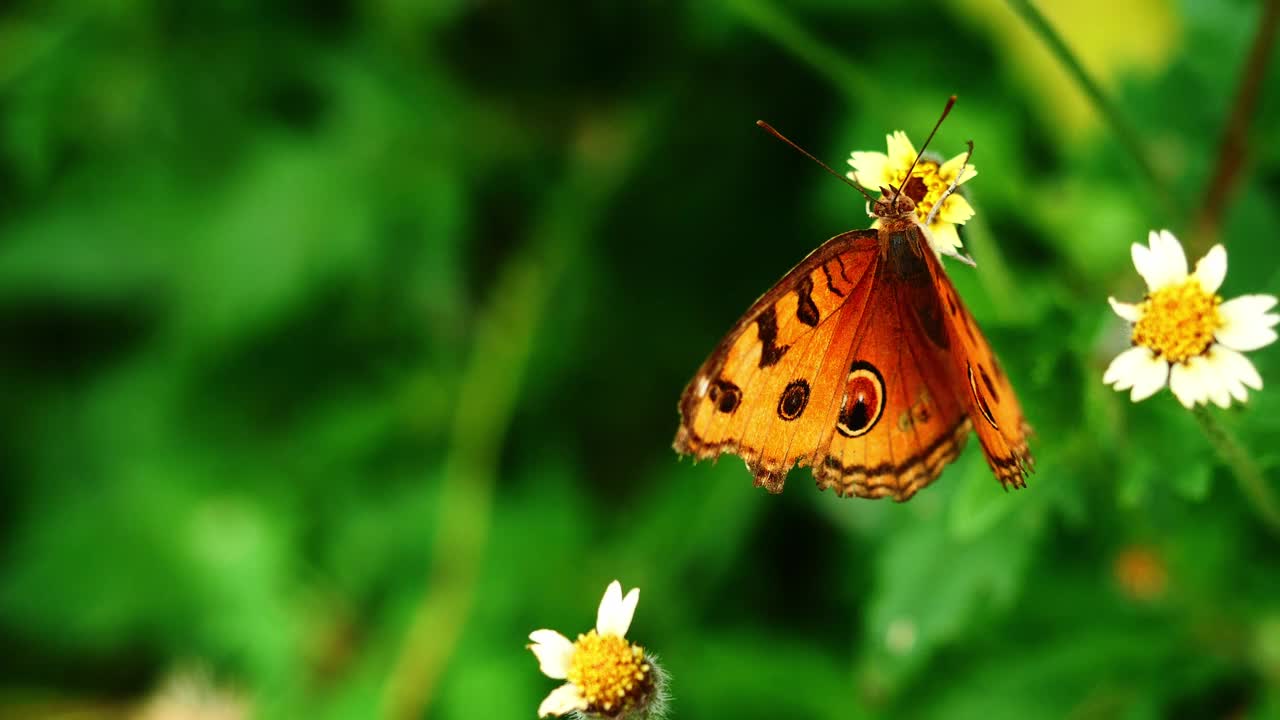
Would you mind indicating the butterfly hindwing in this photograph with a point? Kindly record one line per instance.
(992, 404)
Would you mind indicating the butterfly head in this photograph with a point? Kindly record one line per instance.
(893, 204)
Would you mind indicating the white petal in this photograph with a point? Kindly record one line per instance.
(1237, 389)
(1137, 368)
(1193, 382)
(1149, 377)
(1246, 324)
(900, 148)
(1220, 396)
(869, 169)
(563, 699)
(1229, 376)
(1236, 366)
(943, 238)
(1212, 268)
(1169, 255)
(614, 617)
(1162, 263)
(629, 604)
(1144, 263)
(1182, 382)
(1125, 310)
(553, 651)
(1251, 308)
(952, 166)
(1215, 381)
(1246, 339)
(1123, 369)
(955, 209)
(609, 606)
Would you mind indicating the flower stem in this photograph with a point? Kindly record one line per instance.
(504, 339)
(774, 23)
(1252, 482)
(1208, 223)
(994, 276)
(1128, 135)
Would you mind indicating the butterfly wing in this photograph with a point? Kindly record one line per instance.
(992, 404)
(833, 368)
(901, 420)
(801, 327)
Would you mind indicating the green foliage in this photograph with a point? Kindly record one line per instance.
(342, 342)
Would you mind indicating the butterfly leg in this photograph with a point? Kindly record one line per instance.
(950, 188)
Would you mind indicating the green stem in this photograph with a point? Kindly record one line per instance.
(1129, 136)
(504, 339)
(994, 276)
(775, 24)
(1252, 481)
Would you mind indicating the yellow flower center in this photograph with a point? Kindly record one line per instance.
(609, 671)
(935, 185)
(1178, 321)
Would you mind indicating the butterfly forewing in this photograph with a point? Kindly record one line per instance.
(760, 392)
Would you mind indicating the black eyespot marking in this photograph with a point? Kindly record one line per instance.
(863, 402)
(725, 395)
(991, 388)
(767, 331)
(806, 309)
(978, 398)
(856, 418)
(794, 400)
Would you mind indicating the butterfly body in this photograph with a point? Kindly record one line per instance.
(863, 363)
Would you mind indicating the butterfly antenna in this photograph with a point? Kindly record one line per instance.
(945, 111)
(769, 129)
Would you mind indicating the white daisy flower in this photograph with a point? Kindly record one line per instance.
(928, 184)
(607, 676)
(1184, 334)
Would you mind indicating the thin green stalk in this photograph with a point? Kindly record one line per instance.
(1128, 134)
(520, 297)
(767, 19)
(994, 276)
(1250, 477)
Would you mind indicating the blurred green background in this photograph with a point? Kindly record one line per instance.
(342, 341)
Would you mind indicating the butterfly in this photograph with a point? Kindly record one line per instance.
(863, 363)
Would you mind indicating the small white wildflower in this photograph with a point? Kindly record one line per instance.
(1184, 335)
(607, 675)
(927, 185)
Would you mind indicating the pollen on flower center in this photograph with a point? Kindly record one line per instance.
(1178, 321)
(934, 184)
(609, 671)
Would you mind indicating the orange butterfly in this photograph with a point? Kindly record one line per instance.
(863, 363)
